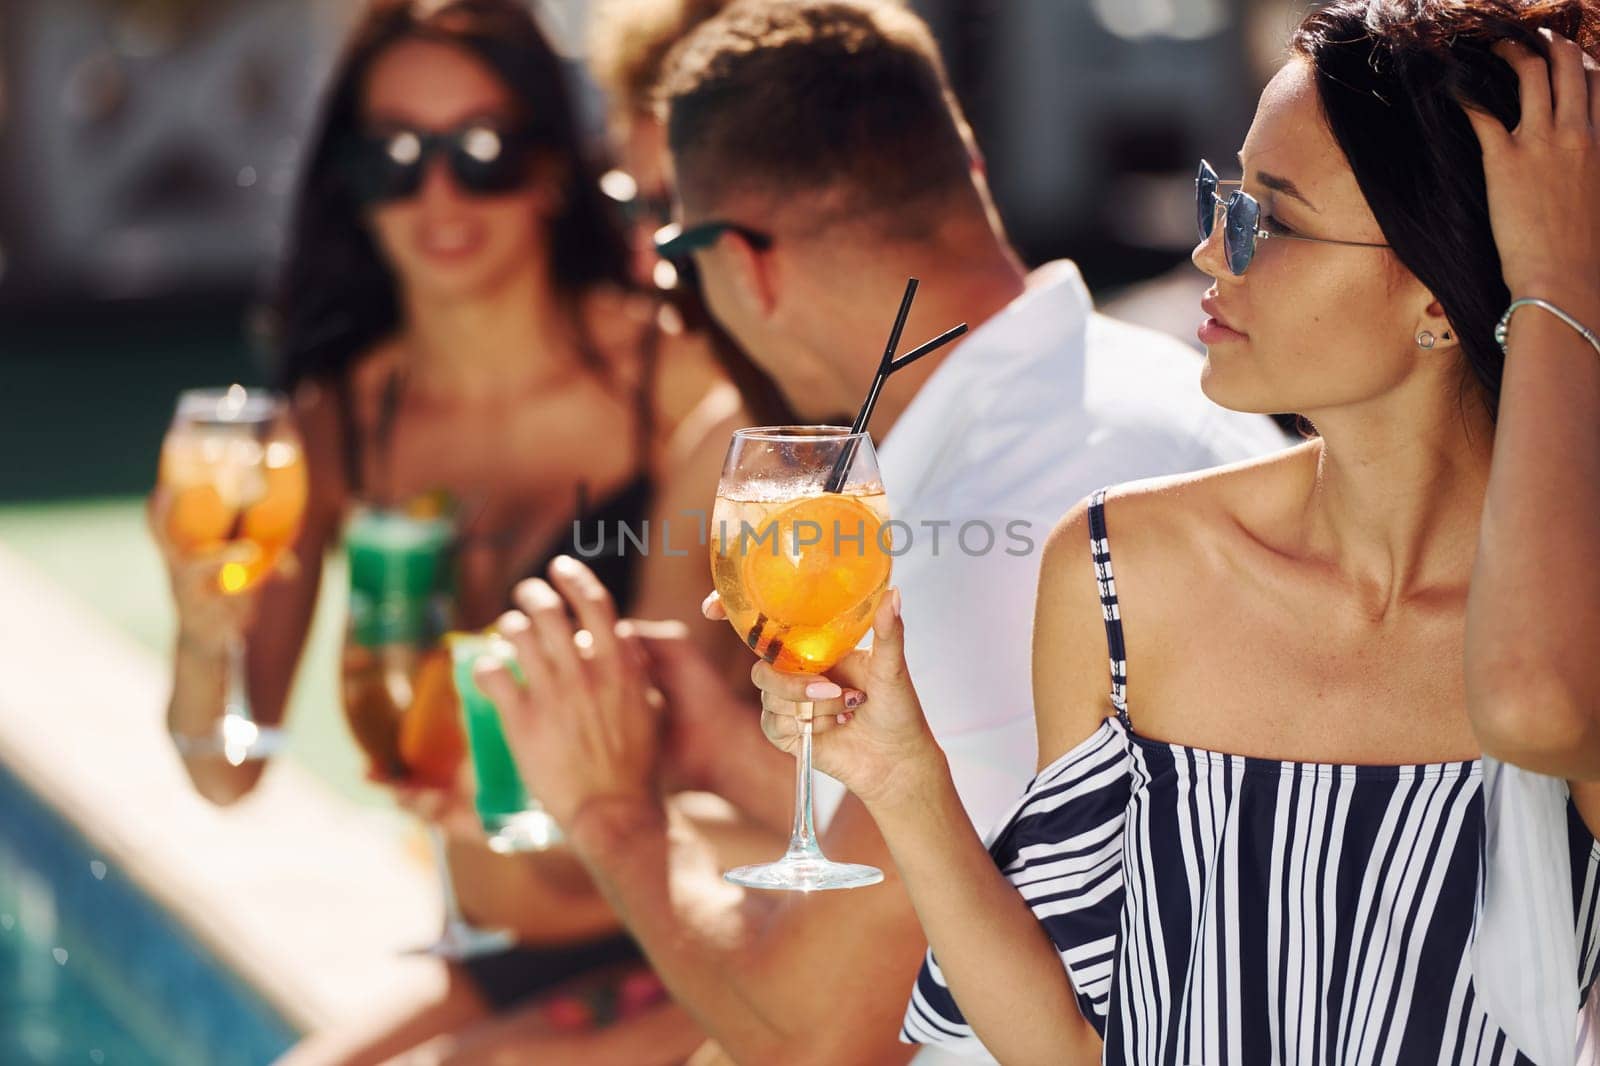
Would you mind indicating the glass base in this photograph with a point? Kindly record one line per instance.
(804, 874)
(522, 832)
(461, 941)
(236, 738)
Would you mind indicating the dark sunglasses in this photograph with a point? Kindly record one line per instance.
(675, 243)
(484, 160)
(1241, 227)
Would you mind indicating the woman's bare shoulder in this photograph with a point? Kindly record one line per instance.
(1160, 536)
(691, 385)
(1166, 517)
(1070, 675)
(324, 425)
(322, 439)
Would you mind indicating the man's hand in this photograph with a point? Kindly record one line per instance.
(584, 730)
(701, 713)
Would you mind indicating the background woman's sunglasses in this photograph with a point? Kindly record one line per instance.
(483, 159)
(1241, 227)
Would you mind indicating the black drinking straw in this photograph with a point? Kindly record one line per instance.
(886, 366)
(769, 650)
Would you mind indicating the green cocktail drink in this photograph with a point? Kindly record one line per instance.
(513, 820)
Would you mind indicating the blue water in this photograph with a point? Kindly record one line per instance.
(93, 972)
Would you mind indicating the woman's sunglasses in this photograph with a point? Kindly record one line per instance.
(484, 160)
(1241, 227)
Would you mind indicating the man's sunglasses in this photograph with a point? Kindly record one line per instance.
(675, 243)
(1241, 228)
(484, 160)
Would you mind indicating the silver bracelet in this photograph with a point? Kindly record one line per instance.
(1504, 328)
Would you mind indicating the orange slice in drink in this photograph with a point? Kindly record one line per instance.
(432, 743)
(819, 570)
(276, 519)
(198, 520)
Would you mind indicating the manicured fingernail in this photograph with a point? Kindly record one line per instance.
(823, 690)
(564, 564)
(854, 699)
(894, 600)
(841, 718)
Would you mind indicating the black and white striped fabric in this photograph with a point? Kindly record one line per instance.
(1213, 908)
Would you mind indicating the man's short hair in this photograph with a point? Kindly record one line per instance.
(843, 103)
(629, 41)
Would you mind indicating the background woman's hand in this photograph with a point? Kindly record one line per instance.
(208, 618)
(450, 809)
(868, 729)
(1543, 176)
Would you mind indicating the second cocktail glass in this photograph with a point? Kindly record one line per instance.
(800, 570)
(513, 821)
(396, 676)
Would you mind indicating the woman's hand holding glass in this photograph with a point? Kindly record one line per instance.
(448, 808)
(868, 729)
(209, 620)
(229, 500)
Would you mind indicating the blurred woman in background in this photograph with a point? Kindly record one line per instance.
(456, 315)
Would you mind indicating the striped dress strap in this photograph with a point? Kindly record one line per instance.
(1100, 548)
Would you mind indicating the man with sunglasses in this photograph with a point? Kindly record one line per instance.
(820, 160)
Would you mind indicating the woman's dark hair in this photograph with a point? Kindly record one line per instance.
(1393, 76)
(336, 296)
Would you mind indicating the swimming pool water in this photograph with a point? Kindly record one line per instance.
(93, 972)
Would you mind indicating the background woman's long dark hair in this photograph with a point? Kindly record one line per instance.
(336, 297)
(1392, 76)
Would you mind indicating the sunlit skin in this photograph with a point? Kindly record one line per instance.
(1314, 326)
(803, 378)
(813, 310)
(1310, 606)
(445, 243)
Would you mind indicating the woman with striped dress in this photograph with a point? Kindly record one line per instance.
(1272, 848)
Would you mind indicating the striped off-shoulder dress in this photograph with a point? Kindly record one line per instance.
(1213, 908)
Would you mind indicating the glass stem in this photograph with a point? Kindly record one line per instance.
(803, 841)
(238, 699)
(447, 885)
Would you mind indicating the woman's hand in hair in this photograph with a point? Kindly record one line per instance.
(1543, 176)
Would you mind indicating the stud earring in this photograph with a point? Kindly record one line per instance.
(1425, 340)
